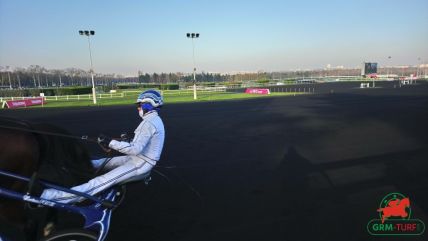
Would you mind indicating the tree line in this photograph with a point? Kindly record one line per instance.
(36, 76)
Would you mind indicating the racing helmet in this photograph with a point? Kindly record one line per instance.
(149, 100)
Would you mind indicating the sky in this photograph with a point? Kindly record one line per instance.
(241, 35)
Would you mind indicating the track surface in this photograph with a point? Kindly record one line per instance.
(287, 168)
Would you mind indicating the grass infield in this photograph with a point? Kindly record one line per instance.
(170, 97)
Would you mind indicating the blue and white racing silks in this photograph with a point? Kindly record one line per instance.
(142, 153)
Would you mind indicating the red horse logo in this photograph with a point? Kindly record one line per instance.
(396, 208)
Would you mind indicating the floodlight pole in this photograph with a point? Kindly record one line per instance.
(417, 69)
(89, 33)
(194, 71)
(387, 69)
(193, 36)
(425, 69)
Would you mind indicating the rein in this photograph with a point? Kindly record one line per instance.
(85, 138)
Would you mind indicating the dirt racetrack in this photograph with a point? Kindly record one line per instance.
(311, 167)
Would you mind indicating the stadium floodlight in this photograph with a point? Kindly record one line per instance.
(193, 36)
(89, 33)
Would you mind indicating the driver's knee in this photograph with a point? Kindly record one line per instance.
(98, 162)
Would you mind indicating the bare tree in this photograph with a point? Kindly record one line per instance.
(8, 76)
(18, 72)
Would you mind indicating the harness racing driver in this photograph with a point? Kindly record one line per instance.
(141, 154)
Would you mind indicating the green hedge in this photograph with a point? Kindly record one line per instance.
(232, 83)
(78, 90)
(74, 90)
(170, 87)
(149, 86)
(262, 81)
(11, 93)
(208, 84)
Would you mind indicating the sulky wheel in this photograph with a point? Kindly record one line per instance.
(71, 234)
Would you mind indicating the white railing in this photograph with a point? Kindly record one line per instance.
(200, 89)
(189, 90)
(122, 94)
(85, 97)
(209, 89)
(68, 97)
